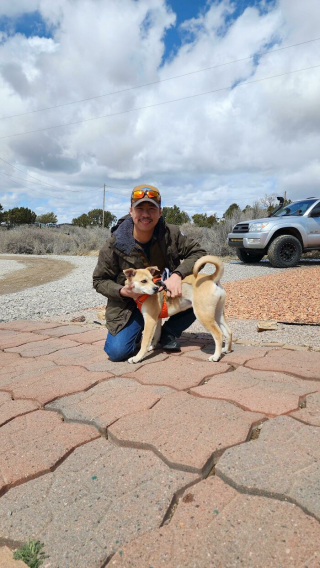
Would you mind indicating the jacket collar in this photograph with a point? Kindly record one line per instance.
(124, 239)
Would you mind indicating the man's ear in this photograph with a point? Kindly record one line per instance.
(129, 272)
(154, 270)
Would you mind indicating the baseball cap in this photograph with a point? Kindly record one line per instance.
(145, 192)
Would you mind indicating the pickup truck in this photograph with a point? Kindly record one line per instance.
(289, 231)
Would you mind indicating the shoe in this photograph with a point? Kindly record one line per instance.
(169, 342)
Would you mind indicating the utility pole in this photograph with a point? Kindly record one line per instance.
(104, 201)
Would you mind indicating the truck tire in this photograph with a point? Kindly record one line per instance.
(285, 251)
(249, 257)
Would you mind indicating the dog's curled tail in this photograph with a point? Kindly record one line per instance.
(211, 260)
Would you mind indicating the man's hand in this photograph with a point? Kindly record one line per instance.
(127, 292)
(174, 286)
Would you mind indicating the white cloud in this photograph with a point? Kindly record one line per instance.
(205, 152)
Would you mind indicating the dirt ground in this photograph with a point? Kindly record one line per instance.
(37, 272)
(292, 296)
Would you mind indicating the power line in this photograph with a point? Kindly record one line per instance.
(162, 80)
(37, 179)
(23, 179)
(40, 188)
(49, 184)
(158, 104)
(17, 183)
(29, 175)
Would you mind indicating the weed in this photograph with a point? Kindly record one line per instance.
(31, 553)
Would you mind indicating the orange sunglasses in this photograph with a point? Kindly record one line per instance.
(140, 193)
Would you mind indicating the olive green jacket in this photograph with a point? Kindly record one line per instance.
(168, 248)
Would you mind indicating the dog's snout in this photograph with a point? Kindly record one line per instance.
(155, 288)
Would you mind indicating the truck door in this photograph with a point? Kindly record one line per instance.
(313, 227)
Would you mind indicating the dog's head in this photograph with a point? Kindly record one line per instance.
(142, 279)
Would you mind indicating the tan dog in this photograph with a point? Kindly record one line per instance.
(201, 291)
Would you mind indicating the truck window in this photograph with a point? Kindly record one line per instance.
(295, 209)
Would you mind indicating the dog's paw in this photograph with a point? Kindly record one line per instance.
(133, 360)
(225, 350)
(214, 358)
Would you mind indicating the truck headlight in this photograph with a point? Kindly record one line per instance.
(257, 227)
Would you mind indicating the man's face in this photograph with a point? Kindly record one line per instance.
(145, 216)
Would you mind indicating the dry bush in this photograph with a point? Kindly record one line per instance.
(214, 240)
(66, 240)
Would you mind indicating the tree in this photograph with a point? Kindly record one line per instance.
(47, 218)
(20, 216)
(269, 201)
(174, 216)
(232, 209)
(1, 214)
(202, 220)
(81, 221)
(95, 216)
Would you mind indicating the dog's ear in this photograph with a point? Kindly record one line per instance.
(129, 272)
(154, 270)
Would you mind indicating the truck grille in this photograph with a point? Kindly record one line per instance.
(241, 228)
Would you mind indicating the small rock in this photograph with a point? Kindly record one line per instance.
(101, 315)
(79, 318)
(266, 325)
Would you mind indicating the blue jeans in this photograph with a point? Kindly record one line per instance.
(121, 346)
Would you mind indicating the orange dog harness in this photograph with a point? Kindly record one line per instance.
(164, 311)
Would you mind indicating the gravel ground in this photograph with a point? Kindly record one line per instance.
(7, 266)
(73, 295)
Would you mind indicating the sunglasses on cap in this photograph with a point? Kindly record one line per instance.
(145, 192)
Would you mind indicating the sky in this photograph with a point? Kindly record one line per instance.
(212, 101)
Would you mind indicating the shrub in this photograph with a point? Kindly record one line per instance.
(71, 240)
(31, 554)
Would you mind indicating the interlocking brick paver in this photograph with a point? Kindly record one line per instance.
(93, 358)
(7, 561)
(90, 336)
(311, 413)
(54, 383)
(284, 462)
(7, 333)
(11, 408)
(25, 325)
(107, 402)
(63, 330)
(99, 498)
(182, 372)
(101, 342)
(214, 526)
(259, 391)
(233, 358)
(34, 443)
(7, 359)
(305, 364)
(75, 355)
(240, 356)
(20, 339)
(189, 432)
(38, 348)
(20, 369)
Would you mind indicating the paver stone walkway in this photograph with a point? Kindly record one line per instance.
(176, 461)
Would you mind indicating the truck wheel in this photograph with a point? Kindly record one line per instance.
(248, 257)
(284, 251)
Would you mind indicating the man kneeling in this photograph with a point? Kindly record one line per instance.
(139, 240)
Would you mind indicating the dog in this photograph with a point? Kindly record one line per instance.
(203, 292)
